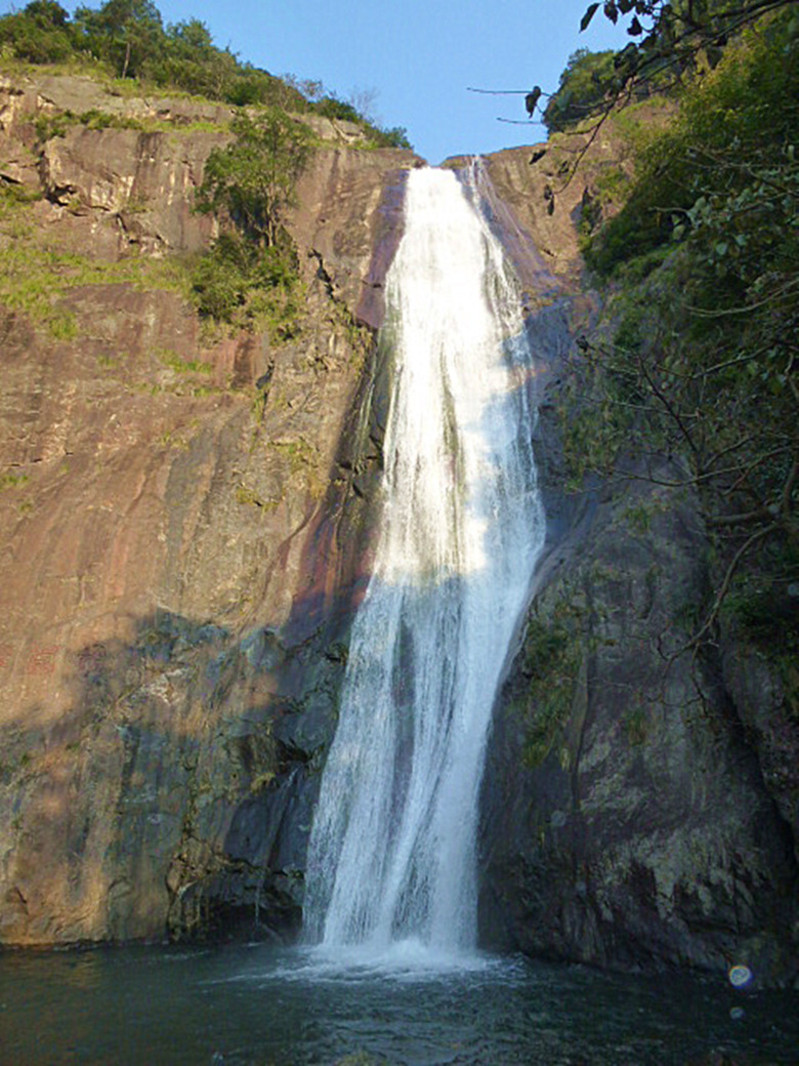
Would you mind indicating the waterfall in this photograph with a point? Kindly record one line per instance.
(392, 849)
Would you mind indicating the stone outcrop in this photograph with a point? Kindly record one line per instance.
(182, 521)
(628, 818)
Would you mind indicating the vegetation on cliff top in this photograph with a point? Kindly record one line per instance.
(127, 39)
(698, 354)
(250, 275)
(672, 42)
(583, 90)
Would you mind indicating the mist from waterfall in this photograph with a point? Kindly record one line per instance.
(392, 860)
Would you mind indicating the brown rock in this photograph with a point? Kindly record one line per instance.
(166, 526)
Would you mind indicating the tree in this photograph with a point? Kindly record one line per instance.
(127, 33)
(39, 34)
(254, 178)
(672, 38)
(251, 274)
(192, 38)
(190, 61)
(673, 35)
(47, 13)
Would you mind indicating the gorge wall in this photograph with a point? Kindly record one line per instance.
(182, 521)
(640, 797)
(185, 522)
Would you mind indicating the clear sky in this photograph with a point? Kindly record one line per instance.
(416, 56)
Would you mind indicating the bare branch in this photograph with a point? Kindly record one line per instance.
(724, 588)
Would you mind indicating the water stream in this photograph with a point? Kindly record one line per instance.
(392, 854)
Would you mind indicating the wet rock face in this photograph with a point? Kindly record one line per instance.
(184, 521)
(627, 819)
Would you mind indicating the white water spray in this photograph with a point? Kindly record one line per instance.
(392, 852)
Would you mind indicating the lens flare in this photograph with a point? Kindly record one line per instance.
(740, 976)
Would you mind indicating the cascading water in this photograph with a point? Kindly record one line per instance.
(392, 850)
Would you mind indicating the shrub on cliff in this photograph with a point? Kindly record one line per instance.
(240, 284)
(254, 178)
(251, 273)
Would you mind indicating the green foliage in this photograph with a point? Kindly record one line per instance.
(332, 107)
(395, 137)
(244, 285)
(301, 461)
(34, 279)
(254, 179)
(252, 86)
(128, 39)
(57, 125)
(638, 517)
(13, 198)
(764, 604)
(47, 13)
(595, 419)
(189, 61)
(221, 279)
(12, 481)
(38, 34)
(763, 607)
(127, 34)
(251, 274)
(183, 366)
(705, 259)
(583, 90)
(552, 656)
(766, 611)
(672, 38)
(733, 121)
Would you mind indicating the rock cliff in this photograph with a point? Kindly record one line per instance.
(182, 520)
(639, 801)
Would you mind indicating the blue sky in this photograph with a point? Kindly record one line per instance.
(416, 57)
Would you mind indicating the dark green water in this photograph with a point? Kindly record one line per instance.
(262, 1007)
